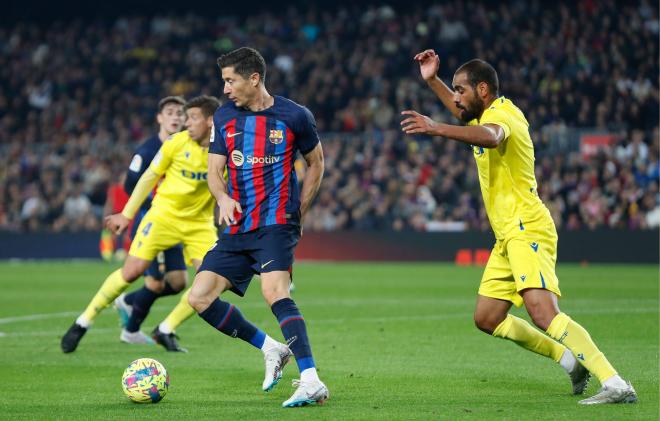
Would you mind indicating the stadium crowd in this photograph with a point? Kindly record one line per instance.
(77, 97)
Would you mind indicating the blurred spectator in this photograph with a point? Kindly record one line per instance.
(76, 96)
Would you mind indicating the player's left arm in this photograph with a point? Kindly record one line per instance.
(313, 177)
(310, 147)
(488, 135)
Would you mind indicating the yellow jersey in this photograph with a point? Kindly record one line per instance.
(506, 173)
(184, 191)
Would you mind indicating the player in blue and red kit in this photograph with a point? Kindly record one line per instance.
(256, 136)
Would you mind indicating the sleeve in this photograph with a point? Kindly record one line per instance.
(135, 170)
(499, 117)
(144, 186)
(217, 145)
(163, 158)
(307, 137)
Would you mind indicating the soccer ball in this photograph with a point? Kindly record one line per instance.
(145, 381)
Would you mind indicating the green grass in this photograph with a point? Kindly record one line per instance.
(391, 341)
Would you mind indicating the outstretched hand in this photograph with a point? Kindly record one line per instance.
(429, 63)
(417, 123)
(116, 223)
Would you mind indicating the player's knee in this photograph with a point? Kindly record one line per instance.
(130, 272)
(153, 284)
(274, 292)
(540, 313)
(541, 306)
(486, 322)
(177, 279)
(198, 302)
(541, 318)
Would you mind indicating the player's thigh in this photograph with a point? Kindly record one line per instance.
(274, 255)
(497, 280)
(234, 266)
(153, 235)
(198, 238)
(533, 263)
(274, 248)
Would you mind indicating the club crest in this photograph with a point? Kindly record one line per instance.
(276, 136)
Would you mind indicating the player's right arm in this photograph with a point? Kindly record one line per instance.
(218, 188)
(117, 223)
(429, 63)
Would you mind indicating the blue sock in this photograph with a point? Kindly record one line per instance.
(142, 300)
(294, 331)
(228, 319)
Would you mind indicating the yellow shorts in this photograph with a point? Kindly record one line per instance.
(520, 262)
(158, 232)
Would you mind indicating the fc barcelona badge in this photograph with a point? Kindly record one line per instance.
(276, 136)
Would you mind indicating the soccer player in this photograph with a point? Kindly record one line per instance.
(521, 268)
(134, 307)
(181, 212)
(256, 136)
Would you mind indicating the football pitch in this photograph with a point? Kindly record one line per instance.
(391, 341)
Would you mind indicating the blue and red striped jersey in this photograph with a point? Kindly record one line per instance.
(261, 147)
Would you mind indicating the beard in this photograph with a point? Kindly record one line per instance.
(472, 110)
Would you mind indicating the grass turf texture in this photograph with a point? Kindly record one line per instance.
(391, 341)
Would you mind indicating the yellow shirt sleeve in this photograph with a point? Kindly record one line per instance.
(163, 158)
(499, 117)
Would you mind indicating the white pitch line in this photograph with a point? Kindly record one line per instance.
(30, 317)
(51, 333)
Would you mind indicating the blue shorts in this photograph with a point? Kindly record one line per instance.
(174, 259)
(238, 257)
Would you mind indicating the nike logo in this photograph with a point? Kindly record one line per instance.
(233, 134)
(267, 263)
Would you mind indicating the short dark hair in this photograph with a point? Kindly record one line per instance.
(245, 62)
(481, 71)
(208, 104)
(170, 100)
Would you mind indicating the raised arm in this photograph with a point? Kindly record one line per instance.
(429, 63)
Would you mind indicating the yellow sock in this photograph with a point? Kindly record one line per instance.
(577, 340)
(182, 312)
(112, 287)
(525, 335)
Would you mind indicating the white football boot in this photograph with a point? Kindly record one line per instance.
(275, 359)
(135, 338)
(612, 395)
(307, 393)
